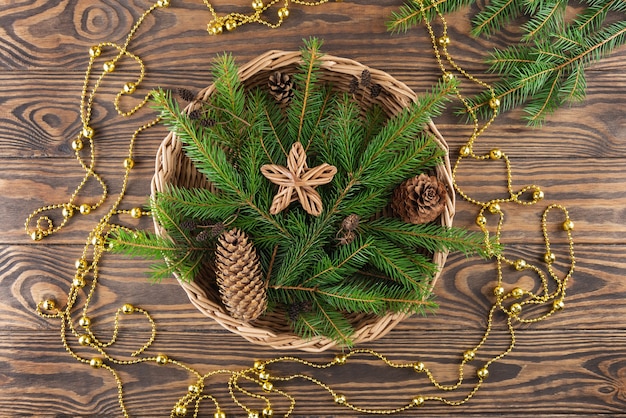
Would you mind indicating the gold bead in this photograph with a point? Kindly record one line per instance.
(163, 3)
(340, 399)
(516, 309)
(517, 292)
(341, 359)
(444, 41)
(108, 66)
(257, 4)
(230, 24)
(81, 264)
(85, 209)
(483, 373)
(95, 51)
(77, 145)
(129, 88)
(417, 401)
(469, 355)
(559, 304)
(215, 28)
(494, 207)
(162, 359)
(128, 309)
(419, 367)
(448, 77)
(549, 257)
(268, 386)
(136, 213)
(498, 291)
(84, 321)
(193, 389)
(219, 414)
(36, 235)
(520, 264)
(96, 241)
(96, 362)
(481, 220)
(129, 163)
(180, 410)
(465, 151)
(48, 305)
(267, 413)
(259, 365)
(568, 225)
(253, 414)
(494, 103)
(283, 13)
(538, 195)
(264, 375)
(78, 282)
(495, 154)
(84, 339)
(88, 132)
(67, 211)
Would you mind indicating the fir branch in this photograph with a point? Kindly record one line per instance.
(308, 99)
(210, 159)
(431, 237)
(344, 262)
(543, 71)
(324, 321)
(410, 14)
(496, 15)
(547, 18)
(197, 203)
(402, 129)
(359, 294)
(304, 249)
(346, 137)
(229, 92)
(410, 270)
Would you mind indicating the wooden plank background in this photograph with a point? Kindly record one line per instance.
(573, 364)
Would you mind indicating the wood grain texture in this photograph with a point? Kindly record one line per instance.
(572, 365)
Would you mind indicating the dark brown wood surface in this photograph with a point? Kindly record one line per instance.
(573, 364)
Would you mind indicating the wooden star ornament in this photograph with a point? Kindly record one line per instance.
(298, 177)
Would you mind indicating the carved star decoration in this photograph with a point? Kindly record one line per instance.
(298, 177)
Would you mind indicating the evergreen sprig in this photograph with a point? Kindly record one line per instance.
(545, 69)
(313, 277)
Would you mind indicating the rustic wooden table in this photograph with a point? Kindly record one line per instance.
(573, 364)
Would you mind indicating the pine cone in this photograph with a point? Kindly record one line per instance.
(239, 276)
(419, 199)
(281, 87)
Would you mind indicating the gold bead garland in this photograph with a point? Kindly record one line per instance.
(515, 303)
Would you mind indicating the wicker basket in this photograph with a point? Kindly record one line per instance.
(173, 167)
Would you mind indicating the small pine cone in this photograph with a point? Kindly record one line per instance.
(281, 87)
(239, 276)
(203, 235)
(420, 199)
(186, 94)
(188, 224)
(195, 114)
(207, 122)
(354, 85)
(366, 78)
(375, 90)
(298, 308)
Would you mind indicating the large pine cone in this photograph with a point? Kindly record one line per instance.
(239, 276)
(281, 87)
(419, 199)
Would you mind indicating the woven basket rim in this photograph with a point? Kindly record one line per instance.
(397, 96)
